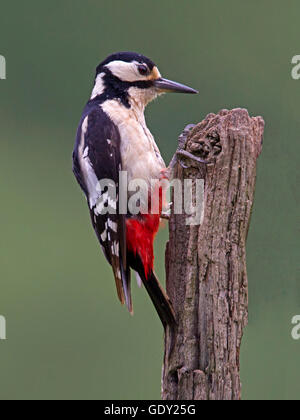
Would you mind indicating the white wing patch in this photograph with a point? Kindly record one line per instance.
(104, 236)
(90, 177)
(101, 204)
(113, 225)
(115, 248)
(112, 203)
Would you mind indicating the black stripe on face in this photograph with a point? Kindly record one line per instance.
(141, 84)
(116, 88)
(111, 81)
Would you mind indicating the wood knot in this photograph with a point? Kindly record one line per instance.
(207, 147)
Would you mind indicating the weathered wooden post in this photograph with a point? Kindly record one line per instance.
(206, 264)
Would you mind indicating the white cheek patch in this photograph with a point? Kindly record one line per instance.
(99, 86)
(127, 72)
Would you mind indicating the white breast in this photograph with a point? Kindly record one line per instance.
(140, 155)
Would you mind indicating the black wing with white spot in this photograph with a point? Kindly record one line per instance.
(96, 165)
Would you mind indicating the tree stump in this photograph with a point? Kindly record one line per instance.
(206, 264)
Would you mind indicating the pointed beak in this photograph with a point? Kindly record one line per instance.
(164, 85)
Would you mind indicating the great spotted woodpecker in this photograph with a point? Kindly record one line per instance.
(113, 137)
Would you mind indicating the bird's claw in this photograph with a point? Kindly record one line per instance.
(182, 154)
(166, 215)
(188, 128)
(188, 155)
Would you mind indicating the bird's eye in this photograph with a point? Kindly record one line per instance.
(143, 70)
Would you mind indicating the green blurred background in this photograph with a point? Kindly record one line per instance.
(68, 338)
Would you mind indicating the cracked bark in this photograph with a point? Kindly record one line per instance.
(206, 265)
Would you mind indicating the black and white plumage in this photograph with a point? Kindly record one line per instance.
(97, 157)
(112, 136)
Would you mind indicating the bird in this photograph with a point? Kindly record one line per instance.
(113, 138)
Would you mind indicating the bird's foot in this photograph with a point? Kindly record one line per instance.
(187, 155)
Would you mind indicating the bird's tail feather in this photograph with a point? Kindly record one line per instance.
(126, 282)
(160, 300)
(154, 289)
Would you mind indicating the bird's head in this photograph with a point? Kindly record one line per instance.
(132, 78)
